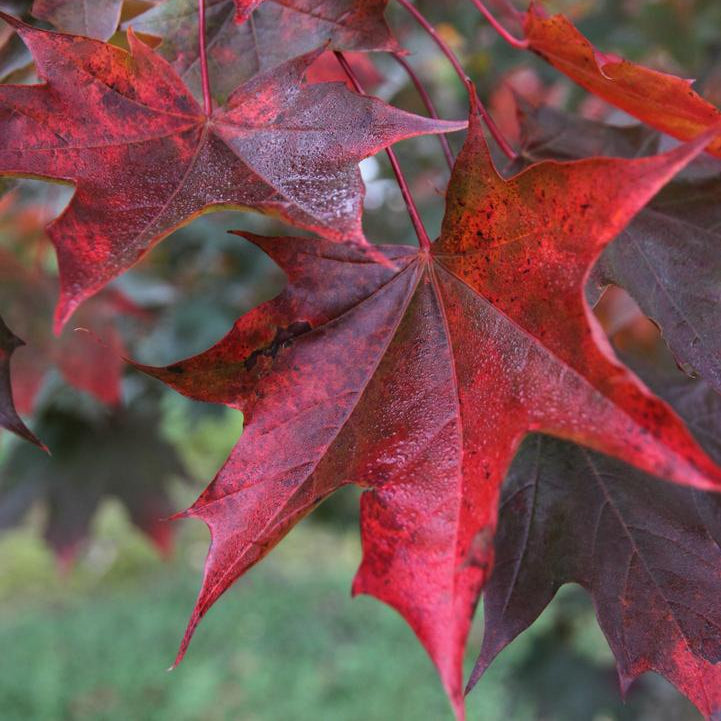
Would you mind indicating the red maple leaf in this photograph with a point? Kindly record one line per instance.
(361, 15)
(419, 383)
(145, 159)
(664, 101)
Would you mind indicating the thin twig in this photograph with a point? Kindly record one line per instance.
(439, 41)
(205, 77)
(423, 239)
(428, 102)
(510, 39)
(443, 46)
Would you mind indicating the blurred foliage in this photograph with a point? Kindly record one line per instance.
(93, 642)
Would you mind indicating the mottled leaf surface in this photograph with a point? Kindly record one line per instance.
(275, 33)
(648, 552)
(92, 18)
(145, 159)
(121, 455)
(661, 100)
(9, 418)
(668, 258)
(418, 382)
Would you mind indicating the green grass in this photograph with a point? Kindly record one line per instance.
(285, 643)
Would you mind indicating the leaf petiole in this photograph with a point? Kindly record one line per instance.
(424, 240)
(510, 39)
(205, 78)
(428, 102)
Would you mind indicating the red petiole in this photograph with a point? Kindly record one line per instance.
(205, 78)
(428, 102)
(510, 39)
(495, 131)
(423, 239)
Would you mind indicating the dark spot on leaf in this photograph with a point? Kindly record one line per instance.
(284, 337)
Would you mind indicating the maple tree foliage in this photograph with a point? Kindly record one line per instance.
(28, 290)
(414, 372)
(97, 19)
(667, 257)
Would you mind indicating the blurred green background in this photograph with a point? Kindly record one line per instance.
(91, 640)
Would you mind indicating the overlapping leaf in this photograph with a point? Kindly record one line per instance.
(97, 19)
(668, 258)
(648, 552)
(276, 32)
(145, 158)
(661, 100)
(419, 382)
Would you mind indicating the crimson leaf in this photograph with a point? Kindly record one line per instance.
(667, 258)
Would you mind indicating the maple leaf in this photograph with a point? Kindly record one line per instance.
(98, 19)
(145, 159)
(667, 258)
(9, 418)
(647, 552)
(663, 101)
(419, 382)
(121, 455)
(277, 32)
